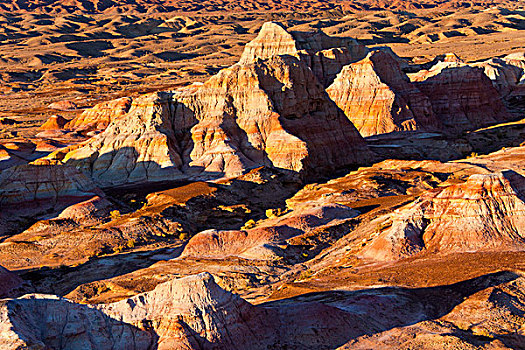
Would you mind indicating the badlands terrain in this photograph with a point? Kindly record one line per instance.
(262, 174)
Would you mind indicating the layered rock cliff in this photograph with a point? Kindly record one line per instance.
(377, 97)
(464, 98)
(43, 184)
(100, 116)
(487, 212)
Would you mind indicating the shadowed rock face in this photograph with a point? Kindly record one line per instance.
(325, 55)
(377, 96)
(187, 313)
(195, 313)
(504, 74)
(192, 312)
(49, 183)
(485, 213)
(271, 112)
(463, 98)
(8, 282)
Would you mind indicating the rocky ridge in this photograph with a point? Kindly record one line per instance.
(272, 112)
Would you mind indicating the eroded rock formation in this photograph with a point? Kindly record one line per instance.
(262, 241)
(272, 112)
(187, 313)
(487, 212)
(325, 55)
(55, 122)
(35, 188)
(463, 98)
(100, 116)
(377, 97)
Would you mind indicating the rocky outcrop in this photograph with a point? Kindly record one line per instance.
(55, 122)
(516, 59)
(53, 127)
(487, 212)
(505, 73)
(49, 322)
(192, 310)
(325, 55)
(377, 97)
(88, 211)
(272, 112)
(64, 105)
(33, 188)
(464, 98)
(262, 241)
(187, 313)
(137, 148)
(100, 116)
(505, 77)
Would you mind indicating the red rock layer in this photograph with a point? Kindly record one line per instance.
(261, 242)
(99, 117)
(485, 213)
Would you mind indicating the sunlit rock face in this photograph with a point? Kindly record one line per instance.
(100, 116)
(377, 96)
(487, 212)
(324, 55)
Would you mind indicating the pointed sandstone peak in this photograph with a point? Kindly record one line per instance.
(272, 40)
(55, 122)
(137, 148)
(325, 55)
(377, 96)
(274, 112)
(487, 212)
